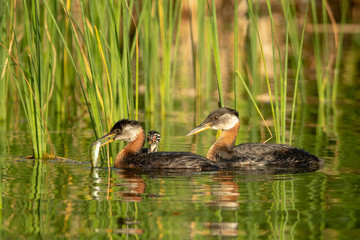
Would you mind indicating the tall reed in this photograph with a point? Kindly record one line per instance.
(236, 54)
(168, 14)
(339, 51)
(106, 63)
(256, 38)
(327, 80)
(279, 88)
(93, 57)
(33, 72)
(216, 49)
(297, 76)
(103, 72)
(159, 33)
(150, 62)
(4, 63)
(320, 75)
(201, 55)
(104, 66)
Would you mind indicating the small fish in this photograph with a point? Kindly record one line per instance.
(94, 152)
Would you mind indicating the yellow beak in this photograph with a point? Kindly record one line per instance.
(108, 138)
(200, 128)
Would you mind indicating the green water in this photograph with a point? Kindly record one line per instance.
(57, 199)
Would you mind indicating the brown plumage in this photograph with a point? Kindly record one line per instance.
(225, 153)
(131, 157)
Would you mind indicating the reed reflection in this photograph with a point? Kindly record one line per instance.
(132, 188)
(129, 189)
(222, 203)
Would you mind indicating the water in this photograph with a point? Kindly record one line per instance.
(64, 198)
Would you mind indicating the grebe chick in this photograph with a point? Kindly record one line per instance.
(153, 139)
(131, 157)
(261, 154)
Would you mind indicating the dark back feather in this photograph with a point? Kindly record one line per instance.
(168, 160)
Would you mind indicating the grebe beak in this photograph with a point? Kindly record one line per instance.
(95, 147)
(152, 140)
(106, 139)
(200, 128)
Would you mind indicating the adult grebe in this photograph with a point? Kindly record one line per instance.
(260, 154)
(153, 139)
(131, 157)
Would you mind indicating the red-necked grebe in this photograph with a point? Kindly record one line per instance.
(261, 154)
(153, 138)
(131, 157)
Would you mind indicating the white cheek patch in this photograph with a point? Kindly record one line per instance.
(227, 121)
(128, 134)
(133, 133)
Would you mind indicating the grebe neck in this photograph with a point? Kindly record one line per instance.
(152, 148)
(131, 148)
(225, 142)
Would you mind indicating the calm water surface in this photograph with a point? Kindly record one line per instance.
(56, 199)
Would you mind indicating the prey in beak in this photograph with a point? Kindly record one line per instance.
(95, 147)
(106, 139)
(123, 130)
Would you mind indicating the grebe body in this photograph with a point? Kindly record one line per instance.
(225, 153)
(131, 155)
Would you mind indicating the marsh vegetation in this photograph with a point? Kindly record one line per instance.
(70, 69)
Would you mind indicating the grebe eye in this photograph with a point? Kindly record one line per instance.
(117, 130)
(215, 118)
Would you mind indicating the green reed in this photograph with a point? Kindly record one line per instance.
(289, 11)
(201, 55)
(102, 70)
(158, 32)
(33, 70)
(278, 91)
(253, 101)
(168, 14)
(327, 56)
(252, 52)
(257, 39)
(149, 38)
(4, 61)
(288, 68)
(299, 69)
(107, 63)
(216, 49)
(93, 56)
(104, 63)
(339, 47)
(236, 54)
(320, 75)
(64, 88)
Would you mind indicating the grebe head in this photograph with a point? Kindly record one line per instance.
(222, 118)
(124, 130)
(153, 137)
